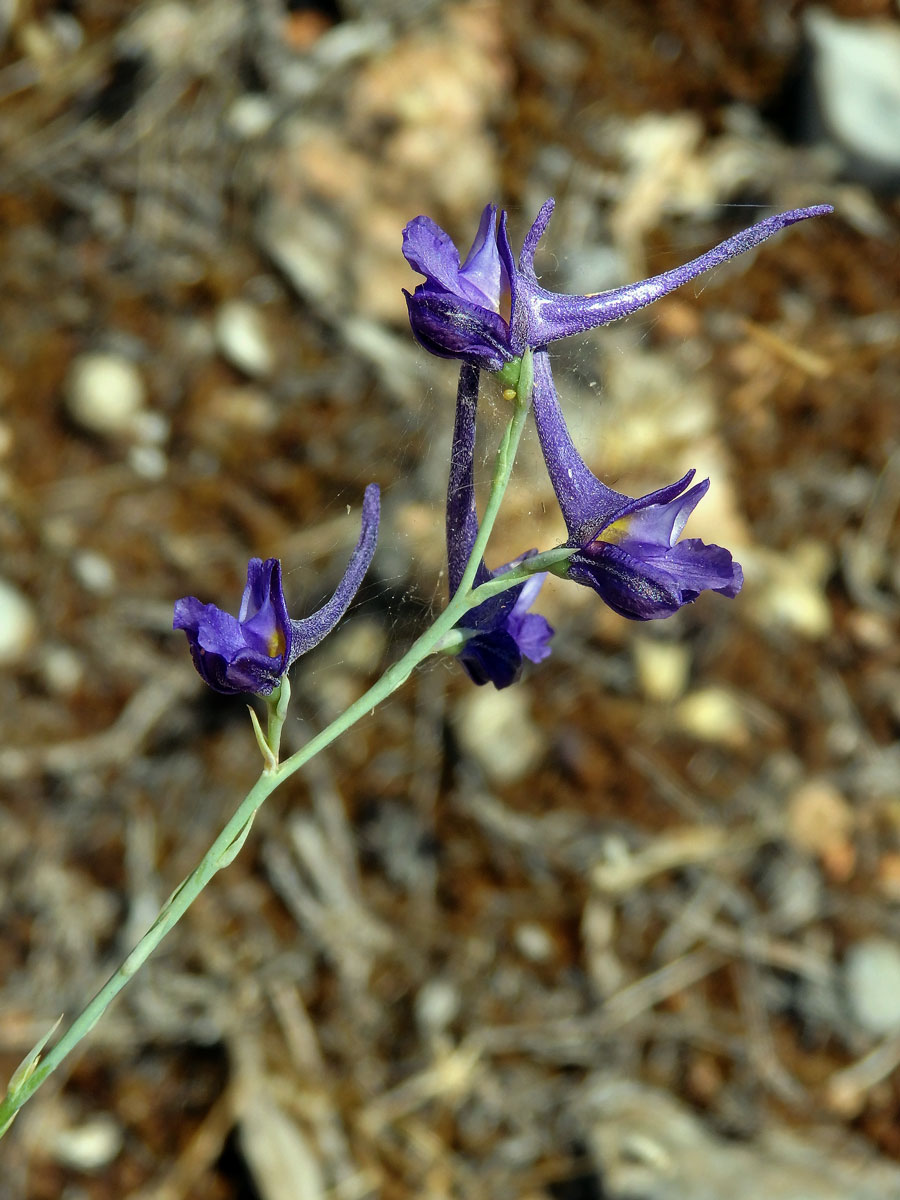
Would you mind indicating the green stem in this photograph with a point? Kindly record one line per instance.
(230, 840)
(554, 561)
(277, 710)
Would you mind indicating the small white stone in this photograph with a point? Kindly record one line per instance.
(713, 714)
(94, 572)
(857, 75)
(61, 668)
(437, 1004)
(246, 408)
(360, 644)
(662, 668)
(148, 461)
(533, 941)
(818, 817)
(104, 393)
(496, 729)
(792, 595)
(18, 624)
(166, 31)
(89, 1147)
(872, 982)
(243, 339)
(797, 605)
(151, 428)
(250, 116)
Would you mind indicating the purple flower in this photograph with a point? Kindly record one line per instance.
(488, 311)
(500, 632)
(628, 550)
(252, 651)
(456, 313)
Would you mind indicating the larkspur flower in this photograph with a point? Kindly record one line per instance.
(489, 310)
(253, 651)
(500, 632)
(628, 550)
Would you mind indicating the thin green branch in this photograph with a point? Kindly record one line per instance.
(35, 1069)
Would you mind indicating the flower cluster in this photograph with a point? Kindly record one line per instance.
(490, 312)
(487, 312)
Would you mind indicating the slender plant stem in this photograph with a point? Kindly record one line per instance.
(33, 1073)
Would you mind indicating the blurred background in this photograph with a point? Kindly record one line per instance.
(626, 931)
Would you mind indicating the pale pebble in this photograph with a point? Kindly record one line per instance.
(713, 714)
(663, 668)
(792, 595)
(104, 393)
(818, 816)
(61, 668)
(437, 1005)
(251, 116)
(243, 338)
(149, 462)
(18, 624)
(497, 730)
(533, 941)
(90, 1146)
(857, 75)
(872, 984)
(94, 572)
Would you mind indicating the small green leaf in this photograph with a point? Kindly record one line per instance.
(26, 1069)
(269, 759)
(230, 853)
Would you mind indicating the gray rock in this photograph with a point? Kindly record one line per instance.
(857, 84)
(18, 624)
(872, 985)
(104, 394)
(649, 1146)
(242, 337)
(498, 731)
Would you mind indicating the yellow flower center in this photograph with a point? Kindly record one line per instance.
(616, 532)
(276, 644)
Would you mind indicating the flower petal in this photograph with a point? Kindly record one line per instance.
(481, 275)
(646, 582)
(492, 657)
(532, 634)
(651, 519)
(220, 650)
(451, 327)
(263, 616)
(431, 252)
